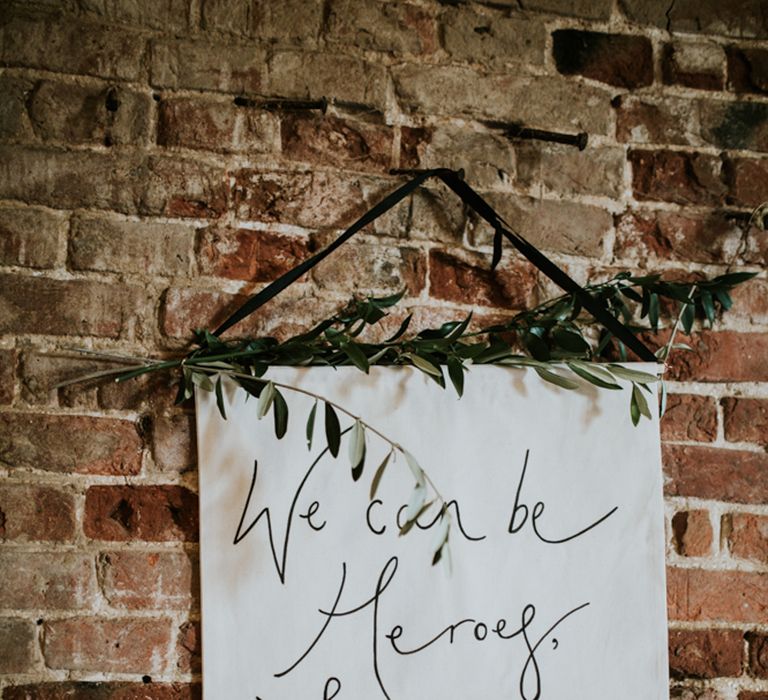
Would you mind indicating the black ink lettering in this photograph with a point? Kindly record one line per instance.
(327, 690)
(313, 508)
(383, 528)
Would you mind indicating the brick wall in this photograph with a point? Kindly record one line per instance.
(142, 191)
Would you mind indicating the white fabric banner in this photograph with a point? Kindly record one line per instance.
(556, 588)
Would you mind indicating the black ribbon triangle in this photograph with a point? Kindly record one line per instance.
(501, 230)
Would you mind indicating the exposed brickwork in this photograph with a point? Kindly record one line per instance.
(146, 190)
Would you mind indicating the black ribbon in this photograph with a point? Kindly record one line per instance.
(501, 230)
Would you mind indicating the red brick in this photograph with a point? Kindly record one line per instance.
(87, 114)
(694, 691)
(734, 125)
(72, 47)
(705, 653)
(616, 59)
(674, 176)
(751, 695)
(124, 645)
(17, 645)
(692, 533)
(708, 238)
(244, 254)
(748, 536)
(693, 64)
(330, 141)
(149, 513)
(8, 361)
(395, 28)
(750, 301)
(55, 580)
(216, 126)
(734, 476)
(689, 417)
(746, 420)
(31, 237)
(189, 649)
(116, 245)
(648, 120)
(173, 443)
(746, 176)
(491, 37)
(454, 279)
(748, 69)
(758, 654)
(148, 580)
(72, 307)
(36, 514)
(722, 356)
(98, 690)
(76, 444)
(724, 596)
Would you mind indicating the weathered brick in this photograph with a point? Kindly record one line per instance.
(31, 237)
(680, 177)
(149, 513)
(156, 14)
(689, 417)
(76, 114)
(36, 514)
(187, 64)
(189, 649)
(695, 691)
(728, 596)
(565, 170)
(492, 37)
(71, 307)
(557, 225)
(8, 362)
(17, 645)
(99, 690)
(148, 580)
(311, 199)
(372, 269)
(331, 141)
(748, 69)
(692, 533)
(125, 645)
(40, 373)
(746, 177)
(291, 20)
(108, 244)
(750, 301)
(586, 9)
(695, 64)
(559, 104)
(294, 74)
(227, 16)
(758, 654)
(741, 18)
(395, 27)
(733, 476)
(487, 158)
(648, 120)
(216, 126)
(705, 238)
(245, 254)
(747, 536)
(705, 653)
(14, 119)
(435, 215)
(616, 59)
(72, 47)
(59, 444)
(173, 443)
(55, 580)
(725, 356)
(734, 125)
(471, 281)
(746, 420)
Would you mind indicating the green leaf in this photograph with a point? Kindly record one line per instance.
(311, 425)
(377, 476)
(724, 298)
(632, 375)
(386, 302)
(653, 310)
(569, 340)
(424, 365)
(687, 317)
(441, 533)
(281, 415)
(202, 381)
(592, 377)
(357, 449)
(416, 470)
(265, 400)
(536, 346)
(458, 331)
(554, 378)
(663, 404)
(708, 306)
(640, 401)
(356, 355)
(220, 399)
(634, 409)
(401, 330)
(456, 373)
(332, 430)
(415, 505)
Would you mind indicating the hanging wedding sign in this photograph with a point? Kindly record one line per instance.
(543, 507)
